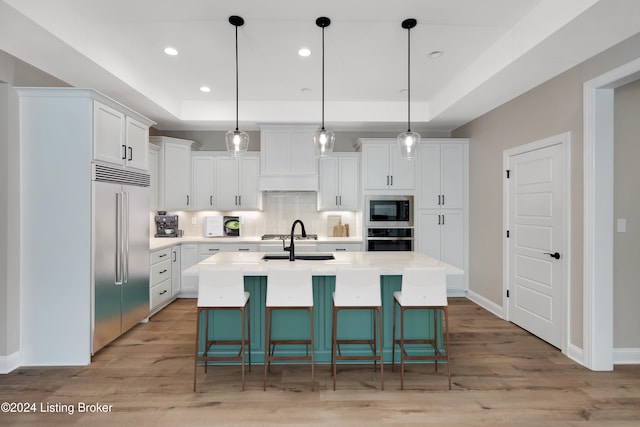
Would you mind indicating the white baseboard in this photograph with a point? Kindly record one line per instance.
(9, 363)
(487, 304)
(575, 353)
(626, 356)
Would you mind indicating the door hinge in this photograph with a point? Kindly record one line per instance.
(508, 173)
(507, 293)
(507, 234)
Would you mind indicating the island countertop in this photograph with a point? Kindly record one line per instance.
(389, 263)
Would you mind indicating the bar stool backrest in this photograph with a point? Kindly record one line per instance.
(424, 287)
(221, 287)
(357, 287)
(289, 287)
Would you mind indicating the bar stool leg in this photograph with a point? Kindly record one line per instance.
(393, 338)
(267, 344)
(380, 343)
(195, 368)
(435, 335)
(401, 348)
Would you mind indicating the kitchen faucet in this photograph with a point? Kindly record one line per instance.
(291, 248)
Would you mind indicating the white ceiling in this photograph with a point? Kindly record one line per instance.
(494, 50)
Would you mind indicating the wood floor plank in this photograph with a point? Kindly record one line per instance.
(501, 375)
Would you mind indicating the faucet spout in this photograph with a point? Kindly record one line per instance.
(292, 255)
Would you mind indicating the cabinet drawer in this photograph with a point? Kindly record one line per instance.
(209, 249)
(160, 255)
(340, 247)
(160, 271)
(160, 293)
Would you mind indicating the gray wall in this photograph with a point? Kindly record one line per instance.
(13, 72)
(626, 246)
(549, 109)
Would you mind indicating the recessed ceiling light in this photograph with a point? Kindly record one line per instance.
(205, 89)
(171, 51)
(304, 52)
(436, 54)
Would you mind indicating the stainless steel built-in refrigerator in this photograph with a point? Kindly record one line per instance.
(120, 252)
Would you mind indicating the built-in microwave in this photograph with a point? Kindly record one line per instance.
(389, 211)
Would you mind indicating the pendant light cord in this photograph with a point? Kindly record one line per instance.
(408, 79)
(236, 77)
(322, 78)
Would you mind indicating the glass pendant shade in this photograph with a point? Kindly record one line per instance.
(407, 142)
(323, 142)
(237, 142)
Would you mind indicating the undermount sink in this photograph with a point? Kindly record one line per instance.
(303, 257)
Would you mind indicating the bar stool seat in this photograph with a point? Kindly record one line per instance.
(358, 289)
(288, 289)
(222, 289)
(422, 289)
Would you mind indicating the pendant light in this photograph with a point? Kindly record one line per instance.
(323, 139)
(237, 140)
(407, 141)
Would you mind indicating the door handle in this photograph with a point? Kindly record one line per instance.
(555, 255)
(130, 153)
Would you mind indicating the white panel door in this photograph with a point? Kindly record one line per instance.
(249, 194)
(202, 182)
(108, 134)
(536, 211)
(137, 138)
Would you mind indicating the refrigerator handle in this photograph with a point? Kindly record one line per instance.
(118, 238)
(125, 237)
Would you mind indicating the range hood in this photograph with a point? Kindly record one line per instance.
(287, 158)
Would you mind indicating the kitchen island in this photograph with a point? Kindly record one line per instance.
(294, 324)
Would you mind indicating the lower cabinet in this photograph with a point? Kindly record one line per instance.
(160, 292)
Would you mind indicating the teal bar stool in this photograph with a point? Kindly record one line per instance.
(422, 289)
(358, 289)
(288, 289)
(222, 289)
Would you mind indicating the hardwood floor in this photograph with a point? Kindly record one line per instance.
(501, 376)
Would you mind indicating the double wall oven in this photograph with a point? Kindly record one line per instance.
(389, 223)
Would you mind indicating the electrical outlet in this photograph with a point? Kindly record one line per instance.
(194, 220)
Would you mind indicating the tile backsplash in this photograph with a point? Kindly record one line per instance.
(279, 211)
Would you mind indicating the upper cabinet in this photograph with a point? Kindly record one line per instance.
(443, 173)
(287, 158)
(174, 166)
(119, 138)
(237, 183)
(220, 182)
(383, 168)
(339, 182)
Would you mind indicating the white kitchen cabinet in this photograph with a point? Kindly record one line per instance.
(118, 138)
(188, 258)
(383, 168)
(203, 178)
(160, 279)
(174, 173)
(339, 182)
(287, 158)
(236, 183)
(339, 247)
(154, 176)
(442, 174)
(176, 270)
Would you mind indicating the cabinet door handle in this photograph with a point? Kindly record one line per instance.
(336, 200)
(340, 249)
(124, 152)
(443, 200)
(175, 256)
(163, 271)
(130, 154)
(214, 249)
(439, 200)
(243, 249)
(163, 292)
(240, 200)
(162, 256)
(442, 219)
(392, 180)
(187, 200)
(211, 200)
(387, 179)
(340, 200)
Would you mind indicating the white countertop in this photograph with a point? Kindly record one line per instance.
(156, 243)
(389, 263)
